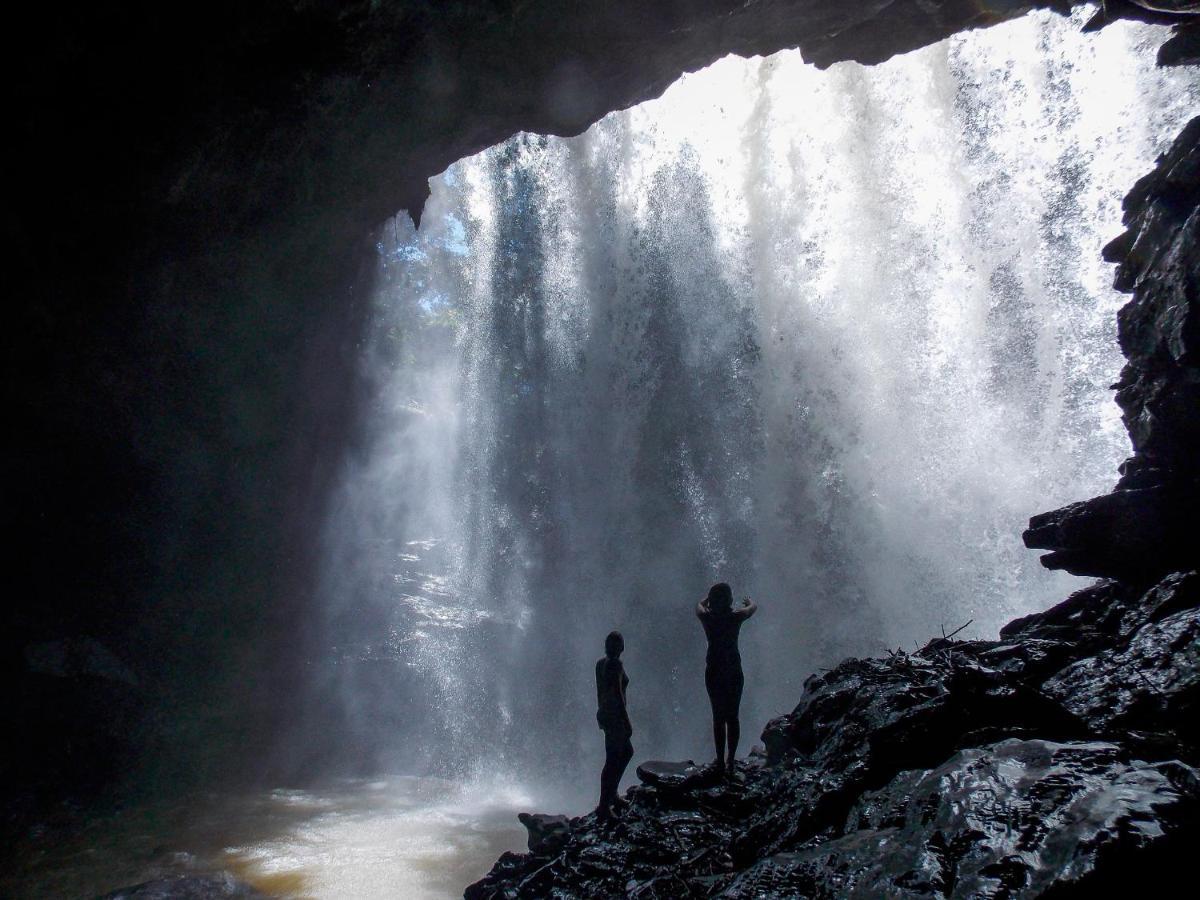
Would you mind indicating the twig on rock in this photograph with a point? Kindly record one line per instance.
(956, 630)
(675, 837)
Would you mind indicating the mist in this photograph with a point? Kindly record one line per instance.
(829, 336)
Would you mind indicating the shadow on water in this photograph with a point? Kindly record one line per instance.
(400, 836)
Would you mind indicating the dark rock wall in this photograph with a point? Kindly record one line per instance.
(1147, 526)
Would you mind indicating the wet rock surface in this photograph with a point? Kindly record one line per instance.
(1153, 681)
(1145, 527)
(547, 834)
(676, 776)
(1014, 818)
(1047, 763)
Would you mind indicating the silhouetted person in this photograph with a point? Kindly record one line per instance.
(723, 667)
(613, 717)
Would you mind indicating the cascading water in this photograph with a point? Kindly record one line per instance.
(830, 336)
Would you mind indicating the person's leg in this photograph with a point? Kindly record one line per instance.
(712, 683)
(610, 775)
(733, 724)
(624, 755)
(624, 758)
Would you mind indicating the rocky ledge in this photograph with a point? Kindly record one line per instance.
(1057, 761)
(1146, 526)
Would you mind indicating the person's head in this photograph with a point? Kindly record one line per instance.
(614, 645)
(720, 597)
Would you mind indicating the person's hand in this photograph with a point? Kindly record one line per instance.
(745, 601)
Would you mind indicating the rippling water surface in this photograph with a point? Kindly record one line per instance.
(401, 837)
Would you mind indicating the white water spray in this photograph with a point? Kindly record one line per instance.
(830, 336)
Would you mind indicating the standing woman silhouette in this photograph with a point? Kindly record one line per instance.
(612, 715)
(723, 667)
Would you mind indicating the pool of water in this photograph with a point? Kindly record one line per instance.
(418, 838)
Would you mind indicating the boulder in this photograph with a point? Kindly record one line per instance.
(676, 776)
(1136, 535)
(869, 718)
(1152, 682)
(1011, 820)
(547, 834)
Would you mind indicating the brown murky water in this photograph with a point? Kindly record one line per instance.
(407, 837)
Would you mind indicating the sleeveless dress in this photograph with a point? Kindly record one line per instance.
(723, 665)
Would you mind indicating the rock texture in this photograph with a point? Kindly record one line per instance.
(1058, 761)
(1146, 527)
(1016, 818)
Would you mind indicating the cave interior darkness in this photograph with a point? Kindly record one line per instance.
(195, 193)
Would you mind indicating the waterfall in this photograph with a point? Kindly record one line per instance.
(829, 336)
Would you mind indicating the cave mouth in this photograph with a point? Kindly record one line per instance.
(451, 615)
(829, 336)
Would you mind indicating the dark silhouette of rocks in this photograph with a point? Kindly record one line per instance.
(670, 777)
(1053, 759)
(1016, 818)
(547, 834)
(1146, 526)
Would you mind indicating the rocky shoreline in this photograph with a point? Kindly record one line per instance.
(1057, 757)
(1058, 761)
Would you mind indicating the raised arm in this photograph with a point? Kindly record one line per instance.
(748, 608)
(702, 609)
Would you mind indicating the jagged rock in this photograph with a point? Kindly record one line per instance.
(1132, 534)
(188, 887)
(1083, 610)
(601, 860)
(1173, 594)
(1183, 48)
(676, 776)
(547, 834)
(1011, 820)
(1098, 615)
(1144, 529)
(945, 772)
(871, 717)
(1153, 681)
